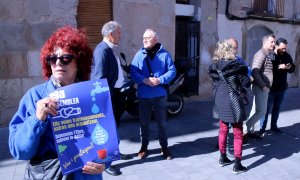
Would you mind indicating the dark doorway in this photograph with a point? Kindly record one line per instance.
(187, 47)
(295, 80)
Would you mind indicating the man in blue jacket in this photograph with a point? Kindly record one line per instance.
(152, 68)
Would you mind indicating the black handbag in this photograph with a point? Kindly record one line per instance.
(243, 97)
(46, 169)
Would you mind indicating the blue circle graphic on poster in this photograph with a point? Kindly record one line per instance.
(99, 135)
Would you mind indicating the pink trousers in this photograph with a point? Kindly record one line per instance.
(238, 138)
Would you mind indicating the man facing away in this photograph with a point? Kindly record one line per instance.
(282, 65)
(107, 65)
(262, 80)
(151, 68)
(235, 45)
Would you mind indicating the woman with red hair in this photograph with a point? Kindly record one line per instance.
(66, 58)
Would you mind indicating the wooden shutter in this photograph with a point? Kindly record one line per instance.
(92, 14)
(260, 6)
(269, 7)
(280, 8)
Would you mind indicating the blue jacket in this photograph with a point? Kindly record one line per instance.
(31, 138)
(162, 66)
(239, 59)
(105, 64)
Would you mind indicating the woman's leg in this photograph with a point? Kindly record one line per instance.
(223, 136)
(238, 139)
(238, 148)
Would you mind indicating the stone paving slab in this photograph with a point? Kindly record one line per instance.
(192, 140)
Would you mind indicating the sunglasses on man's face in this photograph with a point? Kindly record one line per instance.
(64, 59)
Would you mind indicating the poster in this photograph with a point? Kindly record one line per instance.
(84, 128)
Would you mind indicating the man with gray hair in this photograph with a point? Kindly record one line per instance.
(152, 67)
(107, 65)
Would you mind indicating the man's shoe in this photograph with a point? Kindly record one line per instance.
(217, 146)
(245, 139)
(238, 167)
(113, 171)
(143, 153)
(253, 136)
(276, 130)
(125, 157)
(166, 153)
(262, 133)
(223, 161)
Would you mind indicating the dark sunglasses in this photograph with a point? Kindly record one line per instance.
(64, 59)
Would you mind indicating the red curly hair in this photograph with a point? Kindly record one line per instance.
(71, 40)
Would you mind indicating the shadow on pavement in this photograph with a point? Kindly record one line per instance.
(275, 146)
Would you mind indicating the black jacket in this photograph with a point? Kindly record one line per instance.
(105, 64)
(280, 75)
(228, 107)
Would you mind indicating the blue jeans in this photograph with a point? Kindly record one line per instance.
(160, 112)
(274, 103)
(259, 107)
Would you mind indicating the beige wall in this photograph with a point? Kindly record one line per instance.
(138, 15)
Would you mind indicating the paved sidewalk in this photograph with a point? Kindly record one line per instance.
(193, 137)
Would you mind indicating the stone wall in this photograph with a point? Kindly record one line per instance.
(25, 25)
(138, 15)
(209, 37)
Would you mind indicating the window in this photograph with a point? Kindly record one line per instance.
(183, 1)
(92, 14)
(273, 8)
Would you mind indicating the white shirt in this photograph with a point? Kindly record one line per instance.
(119, 83)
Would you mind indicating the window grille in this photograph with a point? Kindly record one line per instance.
(273, 8)
(183, 1)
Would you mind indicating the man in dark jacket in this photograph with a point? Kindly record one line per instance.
(282, 65)
(262, 81)
(107, 65)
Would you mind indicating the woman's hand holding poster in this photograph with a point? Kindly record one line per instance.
(84, 128)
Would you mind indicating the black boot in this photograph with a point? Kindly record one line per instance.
(238, 167)
(166, 153)
(224, 160)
